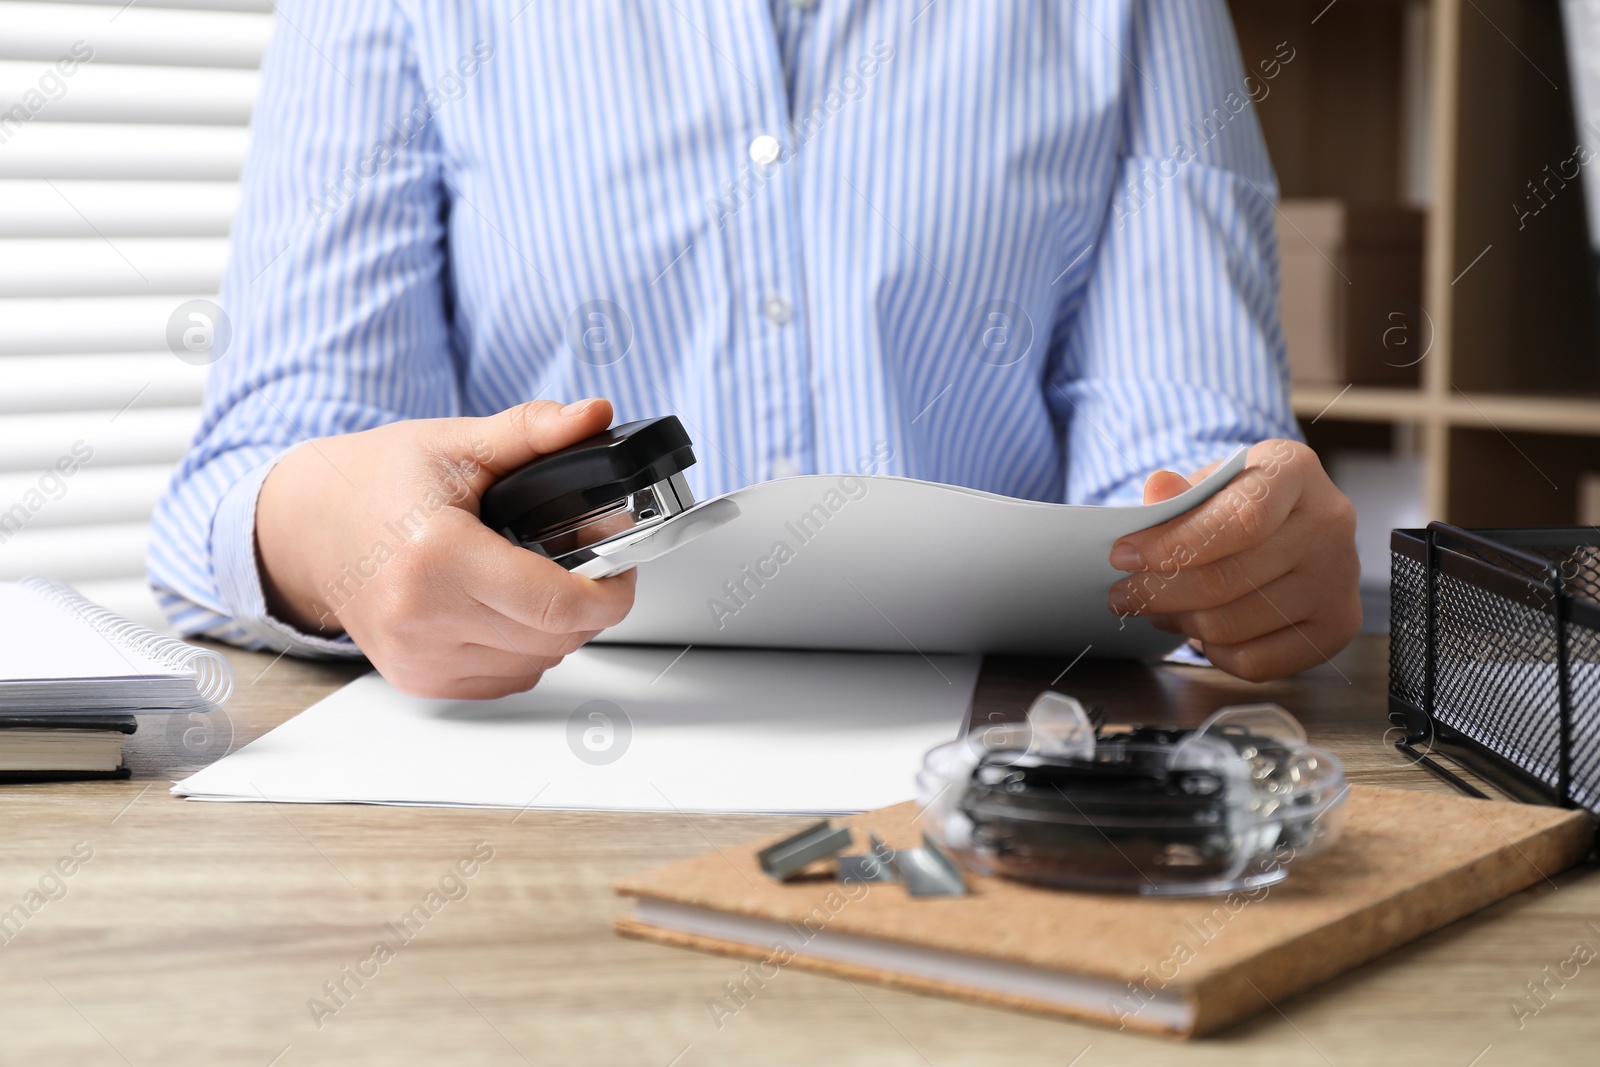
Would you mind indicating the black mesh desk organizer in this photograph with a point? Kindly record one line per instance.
(1494, 657)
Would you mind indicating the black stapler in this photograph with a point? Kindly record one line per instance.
(607, 503)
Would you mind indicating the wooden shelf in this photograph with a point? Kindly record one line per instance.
(1506, 418)
(1530, 413)
(1357, 403)
(1535, 414)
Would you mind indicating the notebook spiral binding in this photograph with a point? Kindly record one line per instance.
(212, 675)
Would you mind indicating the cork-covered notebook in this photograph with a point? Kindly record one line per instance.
(1408, 863)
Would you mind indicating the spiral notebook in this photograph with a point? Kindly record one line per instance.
(62, 653)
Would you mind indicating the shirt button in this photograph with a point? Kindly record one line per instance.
(765, 150)
(803, 5)
(785, 467)
(777, 309)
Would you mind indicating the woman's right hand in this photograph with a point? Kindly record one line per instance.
(376, 534)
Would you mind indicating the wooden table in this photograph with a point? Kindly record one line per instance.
(199, 932)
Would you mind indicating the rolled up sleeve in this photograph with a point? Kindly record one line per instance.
(336, 296)
(1176, 355)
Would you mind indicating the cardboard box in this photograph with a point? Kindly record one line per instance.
(1589, 500)
(1352, 293)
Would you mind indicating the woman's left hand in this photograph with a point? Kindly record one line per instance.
(1263, 575)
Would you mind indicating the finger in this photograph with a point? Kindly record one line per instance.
(1294, 598)
(560, 602)
(1169, 589)
(1280, 653)
(493, 630)
(486, 661)
(480, 624)
(1164, 485)
(1244, 513)
(469, 632)
(519, 435)
(457, 672)
(508, 635)
(457, 560)
(534, 591)
(487, 688)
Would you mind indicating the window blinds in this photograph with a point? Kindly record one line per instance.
(122, 131)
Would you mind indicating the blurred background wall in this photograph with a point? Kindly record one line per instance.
(122, 130)
(1438, 281)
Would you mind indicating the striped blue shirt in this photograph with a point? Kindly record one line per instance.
(1026, 247)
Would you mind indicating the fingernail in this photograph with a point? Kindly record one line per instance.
(577, 407)
(1125, 557)
(1165, 623)
(1119, 601)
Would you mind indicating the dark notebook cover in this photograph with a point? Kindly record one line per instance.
(26, 777)
(21, 720)
(109, 722)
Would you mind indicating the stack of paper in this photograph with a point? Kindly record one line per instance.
(624, 728)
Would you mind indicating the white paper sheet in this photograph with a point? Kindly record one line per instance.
(43, 642)
(889, 564)
(696, 731)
